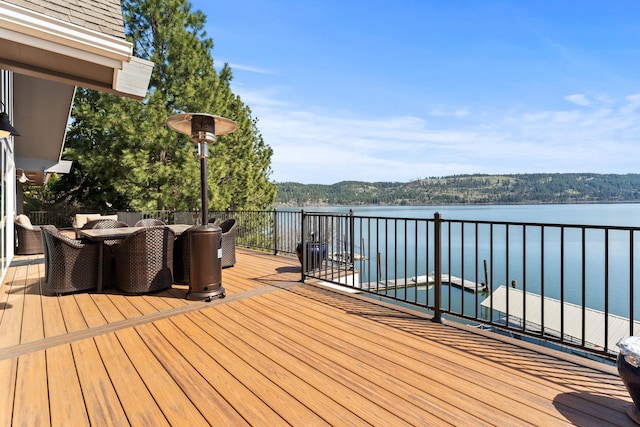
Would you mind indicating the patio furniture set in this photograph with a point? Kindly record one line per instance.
(148, 257)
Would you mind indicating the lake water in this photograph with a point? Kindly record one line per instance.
(532, 261)
(622, 214)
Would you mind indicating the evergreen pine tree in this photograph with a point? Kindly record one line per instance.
(127, 158)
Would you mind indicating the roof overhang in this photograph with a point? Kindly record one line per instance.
(49, 58)
(40, 46)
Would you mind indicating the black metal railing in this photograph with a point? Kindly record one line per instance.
(58, 218)
(572, 285)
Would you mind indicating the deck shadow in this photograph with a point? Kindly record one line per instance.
(288, 269)
(29, 261)
(600, 404)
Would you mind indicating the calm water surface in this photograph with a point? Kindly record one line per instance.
(622, 214)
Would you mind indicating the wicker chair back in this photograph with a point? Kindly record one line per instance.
(104, 224)
(149, 222)
(181, 257)
(144, 260)
(29, 240)
(229, 231)
(70, 265)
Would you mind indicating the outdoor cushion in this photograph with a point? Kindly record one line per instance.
(24, 221)
(82, 219)
(29, 238)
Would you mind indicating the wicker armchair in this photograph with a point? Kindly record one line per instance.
(70, 265)
(108, 267)
(181, 253)
(144, 260)
(149, 222)
(47, 251)
(29, 241)
(229, 231)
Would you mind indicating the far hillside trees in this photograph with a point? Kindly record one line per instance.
(468, 189)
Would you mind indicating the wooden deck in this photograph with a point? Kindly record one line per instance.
(274, 352)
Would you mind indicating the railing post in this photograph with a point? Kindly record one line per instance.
(302, 246)
(437, 255)
(352, 243)
(275, 231)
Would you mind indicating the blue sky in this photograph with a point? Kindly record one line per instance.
(406, 89)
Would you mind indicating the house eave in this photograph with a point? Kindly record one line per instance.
(37, 30)
(41, 46)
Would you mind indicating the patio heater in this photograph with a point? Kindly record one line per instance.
(205, 250)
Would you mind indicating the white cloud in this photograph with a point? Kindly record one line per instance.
(460, 112)
(313, 146)
(578, 99)
(250, 69)
(633, 103)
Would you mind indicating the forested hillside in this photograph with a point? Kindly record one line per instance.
(468, 189)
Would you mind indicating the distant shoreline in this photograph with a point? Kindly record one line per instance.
(278, 205)
(459, 190)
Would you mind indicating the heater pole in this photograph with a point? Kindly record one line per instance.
(203, 147)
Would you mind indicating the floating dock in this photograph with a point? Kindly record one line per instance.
(345, 257)
(425, 281)
(513, 301)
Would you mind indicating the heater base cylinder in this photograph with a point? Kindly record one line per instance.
(205, 263)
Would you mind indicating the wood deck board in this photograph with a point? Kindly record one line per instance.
(357, 357)
(52, 317)
(303, 364)
(227, 401)
(485, 375)
(100, 398)
(72, 315)
(32, 312)
(279, 369)
(11, 326)
(108, 308)
(137, 402)
(274, 352)
(259, 386)
(8, 374)
(126, 305)
(90, 311)
(175, 405)
(31, 398)
(484, 379)
(64, 385)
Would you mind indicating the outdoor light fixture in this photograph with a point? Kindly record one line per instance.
(22, 179)
(6, 128)
(204, 267)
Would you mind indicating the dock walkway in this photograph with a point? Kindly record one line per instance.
(514, 302)
(425, 281)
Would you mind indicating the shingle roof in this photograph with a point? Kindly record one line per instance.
(104, 16)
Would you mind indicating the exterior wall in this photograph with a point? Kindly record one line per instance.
(7, 179)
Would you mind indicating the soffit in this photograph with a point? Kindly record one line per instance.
(45, 64)
(41, 114)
